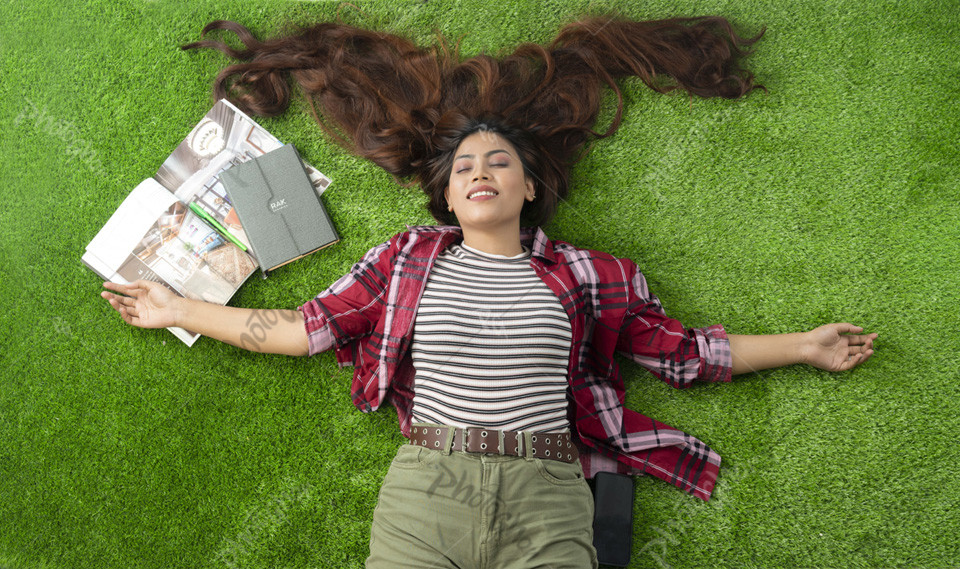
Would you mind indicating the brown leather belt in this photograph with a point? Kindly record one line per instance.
(553, 446)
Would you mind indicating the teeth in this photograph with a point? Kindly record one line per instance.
(483, 193)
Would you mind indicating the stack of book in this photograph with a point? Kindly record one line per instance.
(229, 199)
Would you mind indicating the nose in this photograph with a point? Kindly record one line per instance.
(480, 173)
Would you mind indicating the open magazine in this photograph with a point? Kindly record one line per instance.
(157, 234)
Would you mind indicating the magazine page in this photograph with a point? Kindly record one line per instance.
(127, 226)
(185, 253)
(224, 138)
(157, 234)
(152, 236)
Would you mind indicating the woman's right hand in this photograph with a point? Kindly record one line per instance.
(145, 304)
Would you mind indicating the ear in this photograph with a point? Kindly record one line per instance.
(446, 197)
(531, 193)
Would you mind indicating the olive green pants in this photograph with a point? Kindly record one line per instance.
(441, 510)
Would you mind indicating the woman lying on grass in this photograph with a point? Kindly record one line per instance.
(494, 343)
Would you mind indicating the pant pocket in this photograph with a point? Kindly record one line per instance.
(560, 473)
(408, 457)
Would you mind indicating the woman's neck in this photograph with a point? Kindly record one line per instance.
(505, 242)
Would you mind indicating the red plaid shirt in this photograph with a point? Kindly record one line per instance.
(368, 315)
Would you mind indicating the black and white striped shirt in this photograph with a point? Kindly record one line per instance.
(490, 345)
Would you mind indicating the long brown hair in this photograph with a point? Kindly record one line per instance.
(407, 108)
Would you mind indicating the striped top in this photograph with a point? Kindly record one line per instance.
(366, 317)
(491, 345)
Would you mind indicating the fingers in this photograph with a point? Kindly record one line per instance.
(847, 328)
(122, 303)
(851, 363)
(848, 363)
(858, 355)
(132, 289)
(854, 350)
(124, 295)
(853, 334)
(862, 341)
(117, 300)
(121, 308)
(118, 287)
(843, 346)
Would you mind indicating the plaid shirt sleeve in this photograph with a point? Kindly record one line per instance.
(351, 307)
(677, 355)
(613, 310)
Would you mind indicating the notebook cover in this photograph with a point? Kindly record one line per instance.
(278, 207)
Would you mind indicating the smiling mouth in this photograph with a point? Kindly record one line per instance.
(483, 191)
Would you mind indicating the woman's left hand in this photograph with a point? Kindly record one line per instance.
(837, 347)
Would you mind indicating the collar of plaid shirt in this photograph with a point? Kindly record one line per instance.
(610, 309)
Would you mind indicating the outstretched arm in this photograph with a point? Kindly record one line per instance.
(147, 304)
(832, 347)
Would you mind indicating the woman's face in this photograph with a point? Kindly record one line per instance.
(487, 185)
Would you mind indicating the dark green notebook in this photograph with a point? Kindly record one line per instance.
(281, 213)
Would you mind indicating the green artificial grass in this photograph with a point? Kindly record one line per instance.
(832, 197)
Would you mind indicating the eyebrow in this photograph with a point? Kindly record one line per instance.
(487, 154)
